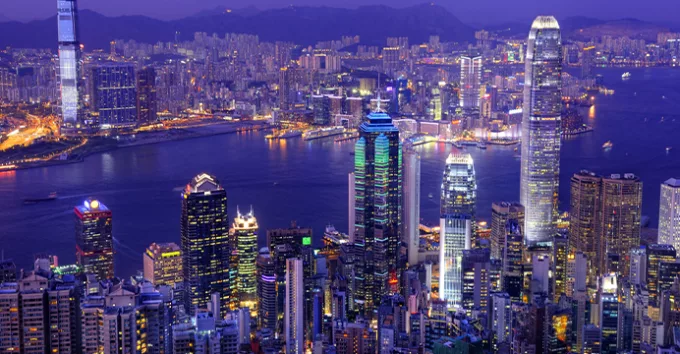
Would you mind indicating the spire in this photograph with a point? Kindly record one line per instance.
(377, 109)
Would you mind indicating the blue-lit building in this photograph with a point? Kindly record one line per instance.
(205, 245)
(70, 76)
(114, 94)
(94, 239)
(540, 163)
(377, 207)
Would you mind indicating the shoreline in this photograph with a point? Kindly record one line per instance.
(185, 133)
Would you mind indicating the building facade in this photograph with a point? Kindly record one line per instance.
(94, 238)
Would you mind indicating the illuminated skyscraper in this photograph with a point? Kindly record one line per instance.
(266, 290)
(541, 129)
(620, 221)
(501, 213)
(610, 314)
(114, 98)
(411, 221)
(245, 234)
(70, 63)
(459, 189)
(470, 80)
(586, 189)
(94, 239)
(163, 264)
(205, 243)
(146, 95)
(455, 236)
(378, 191)
(669, 213)
(294, 316)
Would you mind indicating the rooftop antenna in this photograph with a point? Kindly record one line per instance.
(378, 108)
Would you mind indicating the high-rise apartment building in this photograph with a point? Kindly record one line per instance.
(205, 246)
(540, 163)
(294, 314)
(669, 213)
(163, 264)
(146, 96)
(94, 238)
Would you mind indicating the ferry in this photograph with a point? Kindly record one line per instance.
(52, 196)
(625, 76)
(608, 145)
(322, 133)
(284, 134)
(481, 145)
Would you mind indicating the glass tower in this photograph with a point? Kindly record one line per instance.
(541, 129)
(377, 207)
(205, 243)
(69, 63)
(94, 239)
(669, 213)
(245, 233)
(470, 80)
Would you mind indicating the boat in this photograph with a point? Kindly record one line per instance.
(276, 183)
(668, 149)
(608, 145)
(283, 134)
(322, 133)
(625, 76)
(481, 145)
(430, 196)
(52, 196)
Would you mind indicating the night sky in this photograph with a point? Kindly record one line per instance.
(470, 12)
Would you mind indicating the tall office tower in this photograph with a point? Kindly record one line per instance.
(577, 270)
(539, 178)
(114, 98)
(411, 219)
(501, 213)
(500, 319)
(470, 80)
(584, 215)
(656, 254)
(455, 234)
(245, 233)
(560, 258)
(587, 58)
(476, 285)
(610, 314)
(621, 213)
(266, 290)
(592, 339)
(146, 95)
(294, 312)
(351, 196)
(294, 236)
(94, 239)
(512, 264)
(163, 264)
(669, 213)
(321, 106)
(459, 190)
(378, 190)
(205, 243)
(286, 96)
(70, 62)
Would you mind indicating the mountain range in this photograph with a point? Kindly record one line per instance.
(301, 25)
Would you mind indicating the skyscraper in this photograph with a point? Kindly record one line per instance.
(476, 285)
(94, 239)
(70, 75)
(114, 96)
(411, 220)
(245, 234)
(501, 213)
(163, 264)
(378, 191)
(621, 214)
(455, 236)
(266, 290)
(205, 243)
(669, 213)
(294, 314)
(470, 80)
(540, 165)
(146, 95)
(584, 214)
(459, 189)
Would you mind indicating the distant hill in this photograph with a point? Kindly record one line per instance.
(303, 25)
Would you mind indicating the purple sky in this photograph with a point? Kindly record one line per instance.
(471, 12)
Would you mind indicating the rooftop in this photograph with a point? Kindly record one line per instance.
(545, 22)
(673, 182)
